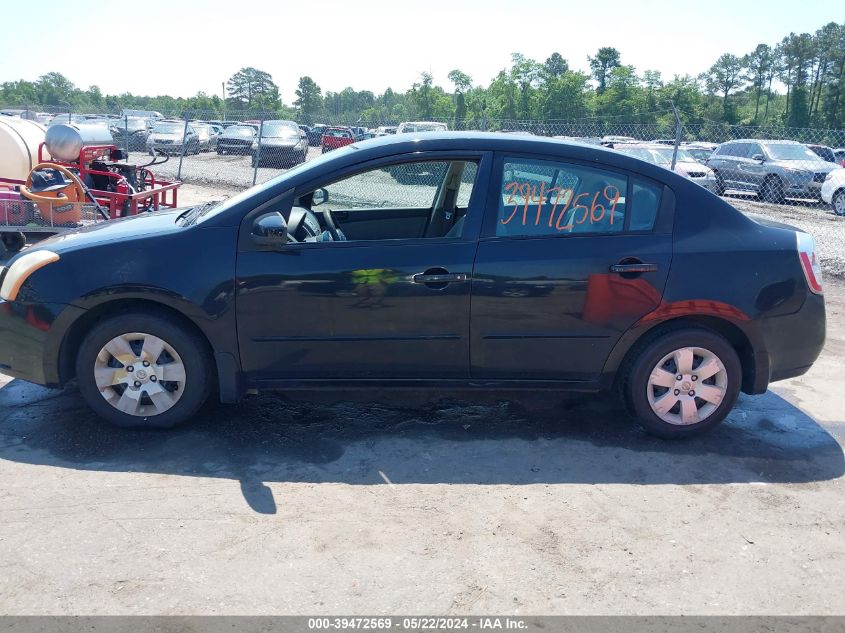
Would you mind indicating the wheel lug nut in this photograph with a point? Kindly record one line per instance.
(692, 393)
(153, 378)
(679, 377)
(695, 377)
(146, 363)
(677, 392)
(130, 369)
(137, 383)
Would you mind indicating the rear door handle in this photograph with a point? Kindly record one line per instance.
(638, 267)
(440, 278)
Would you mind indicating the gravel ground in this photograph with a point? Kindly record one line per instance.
(826, 227)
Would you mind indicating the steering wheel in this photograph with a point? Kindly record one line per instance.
(331, 227)
(73, 192)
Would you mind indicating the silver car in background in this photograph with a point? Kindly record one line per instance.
(660, 154)
(774, 170)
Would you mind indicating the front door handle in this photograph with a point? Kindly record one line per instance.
(440, 278)
(638, 267)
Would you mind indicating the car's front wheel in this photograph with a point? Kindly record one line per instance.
(144, 369)
(838, 202)
(682, 382)
(719, 185)
(772, 190)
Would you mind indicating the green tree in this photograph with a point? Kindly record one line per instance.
(723, 78)
(565, 96)
(462, 83)
(607, 58)
(309, 99)
(526, 73)
(554, 66)
(251, 87)
(759, 63)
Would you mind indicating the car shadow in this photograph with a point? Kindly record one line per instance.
(419, 438)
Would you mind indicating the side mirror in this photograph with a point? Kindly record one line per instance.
(270, 229)
(320, 196)
(758, 157)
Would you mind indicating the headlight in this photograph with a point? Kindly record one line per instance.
(21, 269)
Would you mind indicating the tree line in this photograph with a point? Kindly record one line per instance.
(798, 82)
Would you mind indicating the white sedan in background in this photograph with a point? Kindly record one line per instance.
(833, 191)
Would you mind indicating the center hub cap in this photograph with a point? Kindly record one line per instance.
(141, 374)
(686, 385)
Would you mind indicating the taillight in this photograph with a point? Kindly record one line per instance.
(810, 263)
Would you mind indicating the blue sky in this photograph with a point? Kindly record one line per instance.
(183, 46)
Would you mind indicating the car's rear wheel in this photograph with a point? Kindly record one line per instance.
(682, 382)
(771, 190)
(838, 202)
(144, 369)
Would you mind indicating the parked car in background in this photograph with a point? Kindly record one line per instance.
(168, 137)
(824, 152)
(316, 136)
(280, 144)
(664, 141)
(839, 152)
(421, 126)
(236, 139)
(130, 133)
(227, 124)
(384, 130)
(833, 191)
(661, 155)
(207, 136)
(144, 114)
(613, 139)
(700, 151)
(773, 169)
(667, 296)
(336, 137)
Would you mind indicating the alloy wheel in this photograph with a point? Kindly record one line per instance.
(687, 386)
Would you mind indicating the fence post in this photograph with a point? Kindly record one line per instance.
(184, 144)
(258, 152)
(126, 133)
(679, 131)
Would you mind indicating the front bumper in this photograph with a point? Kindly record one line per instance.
(30, 339)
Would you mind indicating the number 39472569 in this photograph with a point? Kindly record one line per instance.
(592, 205)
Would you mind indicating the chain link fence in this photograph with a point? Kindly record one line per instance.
(233, 150)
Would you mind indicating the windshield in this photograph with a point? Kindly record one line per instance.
(242, 131)
(338, 133)
(789, 151)
(168, 128)
(274, 129)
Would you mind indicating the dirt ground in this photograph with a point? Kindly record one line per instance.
(427, 504)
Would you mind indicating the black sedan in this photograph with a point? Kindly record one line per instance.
(584, 269)
(236, 139)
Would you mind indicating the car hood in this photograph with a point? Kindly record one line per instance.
(142, 225)
(820, 167)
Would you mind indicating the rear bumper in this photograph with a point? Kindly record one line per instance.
(792, 343)
(30, 339)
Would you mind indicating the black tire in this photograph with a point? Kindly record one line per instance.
(13, 241)
(192, 349)
(635, 375)
(719, 189)
(838, 202)
(771, 190)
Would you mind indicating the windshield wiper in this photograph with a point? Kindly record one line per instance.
(189, 216)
